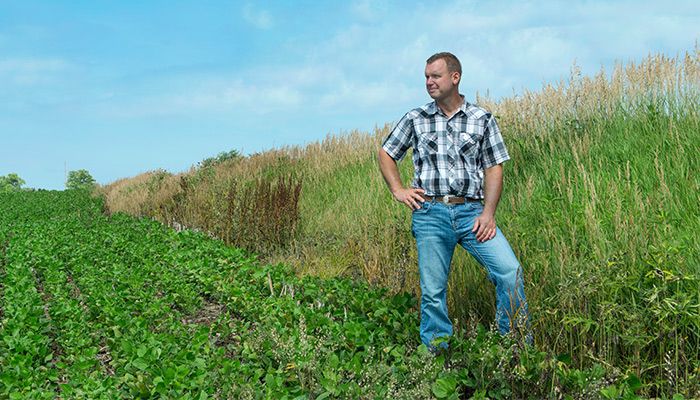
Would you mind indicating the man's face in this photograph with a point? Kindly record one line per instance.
(439, 82)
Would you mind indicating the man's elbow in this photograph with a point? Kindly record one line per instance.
(383, 155)
(498, 168)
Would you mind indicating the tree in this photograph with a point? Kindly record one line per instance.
(11, 183)
(80, 180)
(221, 157)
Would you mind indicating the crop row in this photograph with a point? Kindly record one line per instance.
(25, 349)
(134, 309)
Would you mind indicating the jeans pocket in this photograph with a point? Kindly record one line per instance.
(424, 208)
(418, 214)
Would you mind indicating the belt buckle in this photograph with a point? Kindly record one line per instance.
(446, 199)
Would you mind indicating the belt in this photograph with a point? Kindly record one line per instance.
(450, 199)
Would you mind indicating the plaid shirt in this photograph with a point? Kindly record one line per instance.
(449, 154)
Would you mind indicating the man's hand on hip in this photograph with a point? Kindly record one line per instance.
(485, 227)
(410, 197)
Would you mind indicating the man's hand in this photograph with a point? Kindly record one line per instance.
(485, 227)
(485, 224)
(410, 197)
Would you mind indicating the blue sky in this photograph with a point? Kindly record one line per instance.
(123, 87)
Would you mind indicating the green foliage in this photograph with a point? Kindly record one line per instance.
(114, 307)
(80, 180)
(11, 183)
(220, 158)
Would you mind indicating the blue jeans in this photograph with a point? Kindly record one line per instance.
(438, 228)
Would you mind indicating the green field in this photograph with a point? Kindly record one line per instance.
(95, 306)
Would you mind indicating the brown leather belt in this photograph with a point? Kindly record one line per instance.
(449, 199)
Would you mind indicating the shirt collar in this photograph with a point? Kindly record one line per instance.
(433, 108)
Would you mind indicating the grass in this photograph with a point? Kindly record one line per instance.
(600, 205)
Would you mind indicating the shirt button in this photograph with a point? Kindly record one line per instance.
(459, 182)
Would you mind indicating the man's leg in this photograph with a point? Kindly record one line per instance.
(503, 270)
(435, 241)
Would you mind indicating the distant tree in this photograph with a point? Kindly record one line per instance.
(80, 179)
(221, 157)
(11, 183)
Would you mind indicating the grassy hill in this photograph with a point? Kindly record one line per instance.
(600, 204)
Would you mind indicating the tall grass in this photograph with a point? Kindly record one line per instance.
(260, 214)
(600, 204)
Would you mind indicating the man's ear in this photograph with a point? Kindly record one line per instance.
(456, 77)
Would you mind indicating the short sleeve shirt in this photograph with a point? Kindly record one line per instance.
(449, 154)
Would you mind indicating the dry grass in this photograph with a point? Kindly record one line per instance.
(657, 79)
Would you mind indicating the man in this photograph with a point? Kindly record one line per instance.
(457, 155)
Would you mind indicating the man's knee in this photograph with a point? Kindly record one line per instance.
(432, 294)
(509, 274)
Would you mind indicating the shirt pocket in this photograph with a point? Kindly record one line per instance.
(428, 142)
(468, 144)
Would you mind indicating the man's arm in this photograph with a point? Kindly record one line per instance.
(485, 224)
(390, 171)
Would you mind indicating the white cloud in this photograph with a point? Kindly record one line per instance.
(508, 46)
(259, 18)
(351, 94)
(185, 94)
(365, 68)
(369, 10)
(31, 71)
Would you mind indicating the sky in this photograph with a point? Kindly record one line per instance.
(123, 87)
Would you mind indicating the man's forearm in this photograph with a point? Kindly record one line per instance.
(411, 197)
(390, 171)
(493, 185)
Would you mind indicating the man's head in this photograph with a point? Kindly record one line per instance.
(443, 72)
